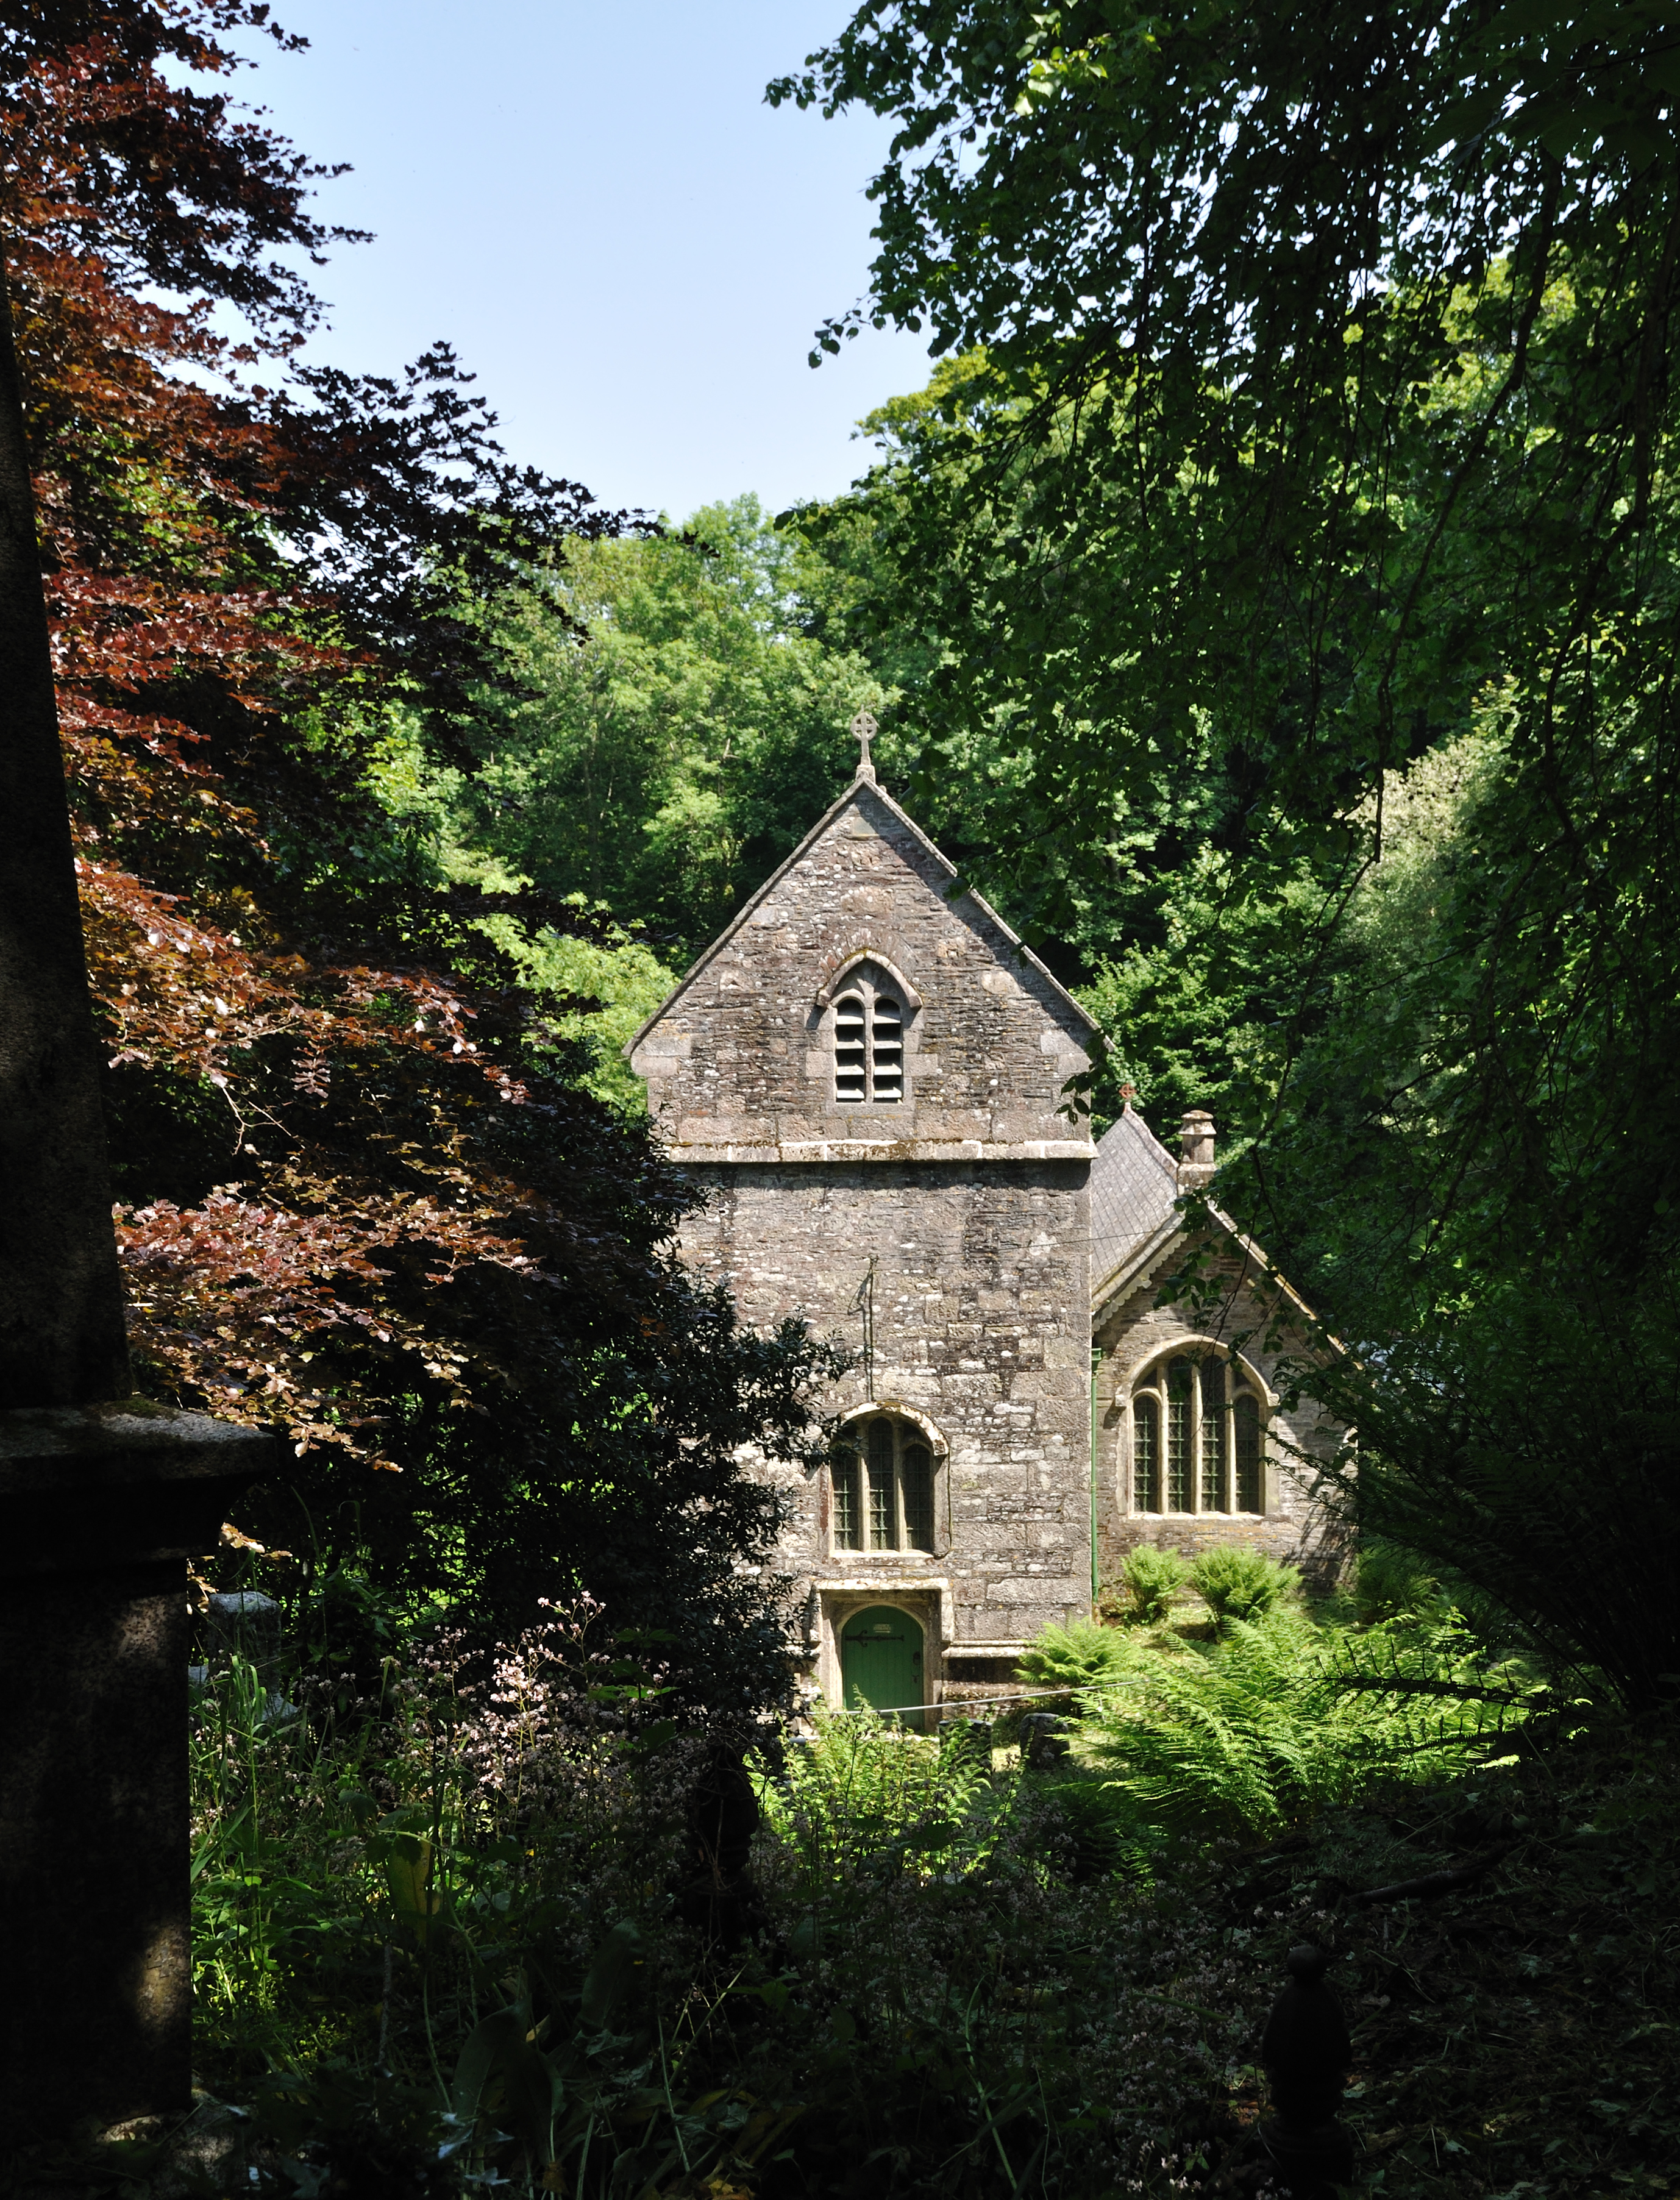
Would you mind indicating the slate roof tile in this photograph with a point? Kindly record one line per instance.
(1133, 1186)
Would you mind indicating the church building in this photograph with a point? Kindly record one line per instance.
(866, 1073)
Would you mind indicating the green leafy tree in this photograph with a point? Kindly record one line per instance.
(1329, 427)
(676, 733)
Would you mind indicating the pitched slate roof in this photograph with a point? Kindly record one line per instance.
(1133, 1186)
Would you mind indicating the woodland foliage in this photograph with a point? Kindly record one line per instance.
(363, 1195)
(442, 1930)
(1298, 486)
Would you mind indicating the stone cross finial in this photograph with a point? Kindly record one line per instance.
(864, 731)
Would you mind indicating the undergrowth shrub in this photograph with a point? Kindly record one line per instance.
(861, 1785)
(1392, 1584)
(962, 2010)
(1242, 1584)
(438, 1929)
(1153, 1580)
(1279, 1718)
(1082, 1656)
(437, 1917)
(439, 1921)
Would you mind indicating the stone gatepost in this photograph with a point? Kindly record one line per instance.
(102, 1496)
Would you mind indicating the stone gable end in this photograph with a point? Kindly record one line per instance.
(741, 1059)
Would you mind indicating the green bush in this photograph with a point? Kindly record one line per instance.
(859, 1783)
(1280, 1718)
(1242, 1584)
(1153, 1579)
(1390, 1583)
(1082, 1656)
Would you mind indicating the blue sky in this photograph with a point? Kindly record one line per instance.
(596, 208)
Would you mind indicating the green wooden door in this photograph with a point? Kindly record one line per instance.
(881, 1661)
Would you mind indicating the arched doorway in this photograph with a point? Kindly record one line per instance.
(881, 1661)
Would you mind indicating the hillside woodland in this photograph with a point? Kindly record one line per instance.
(1271, 604)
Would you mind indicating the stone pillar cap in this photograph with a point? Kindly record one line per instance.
(83, 1488)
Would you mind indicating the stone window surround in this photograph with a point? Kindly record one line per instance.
(839, 1554)
(926, 1598)
(1137, 1377)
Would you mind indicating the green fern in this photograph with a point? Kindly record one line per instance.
(1279, 1719)
(1080, 1656)
(1392, 1584)
(858, 1784)
(1153, 1579)
(1235, 1584)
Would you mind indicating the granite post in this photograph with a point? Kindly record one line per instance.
(103, 1496)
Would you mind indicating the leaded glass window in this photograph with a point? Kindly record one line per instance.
(1180, 1421)
(882, 1477)
(1198, 1437)
(1210, 1382)
(1245, 1415)
(1147, 1455)
(916, 1481)
(878, 1436)
(848, 1511)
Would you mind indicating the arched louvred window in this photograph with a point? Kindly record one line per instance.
(1245, 1416)
(1180, 1422)
(1147, 1455)
(868, 1043)
(881, 1471)
(886, 1050)
(1198, 1437)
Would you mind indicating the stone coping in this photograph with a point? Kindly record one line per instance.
(128, 1483)
(129, 1440)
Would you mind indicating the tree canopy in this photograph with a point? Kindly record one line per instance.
(363, 1193)
(1303, 457)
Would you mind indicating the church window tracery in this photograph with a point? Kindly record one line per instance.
(1197, 1437)
(882, 1474)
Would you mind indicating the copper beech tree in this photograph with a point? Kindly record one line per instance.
(359, 1195)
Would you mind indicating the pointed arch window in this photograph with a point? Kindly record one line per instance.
(882, 1473)
(1197, 1442)
(868, 1043)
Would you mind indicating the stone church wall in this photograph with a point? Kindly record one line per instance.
(1132, 1333)
(981, 1326)
(743, 1056)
